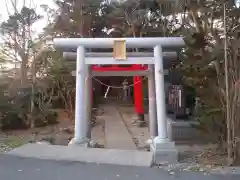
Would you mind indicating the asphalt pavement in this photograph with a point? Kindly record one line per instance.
(12, 167)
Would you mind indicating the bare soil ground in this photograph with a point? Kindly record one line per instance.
(59, 133)
(200, 153)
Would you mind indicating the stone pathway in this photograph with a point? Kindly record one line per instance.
(116, 134)
(139, 135)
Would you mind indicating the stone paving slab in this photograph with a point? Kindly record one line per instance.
(116, 133)
(80, 154)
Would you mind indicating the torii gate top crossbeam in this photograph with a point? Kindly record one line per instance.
(148, 42)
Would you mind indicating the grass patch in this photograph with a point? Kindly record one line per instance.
(13, 141)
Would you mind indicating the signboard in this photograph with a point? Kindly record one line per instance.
(119, 50)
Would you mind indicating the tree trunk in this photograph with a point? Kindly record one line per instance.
(32, 120)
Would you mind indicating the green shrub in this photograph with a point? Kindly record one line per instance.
(52, 118)
(12, 121)
(13, 109)
(49, 118)
(211, 123)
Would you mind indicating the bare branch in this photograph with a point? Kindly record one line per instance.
(6, 5)
(14, 5)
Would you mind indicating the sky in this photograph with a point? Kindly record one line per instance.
(38, 27)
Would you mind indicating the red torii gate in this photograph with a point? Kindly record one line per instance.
(137, 87)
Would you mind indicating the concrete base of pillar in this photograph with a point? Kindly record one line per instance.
(81, 143)
(164, 151)
(139, 120)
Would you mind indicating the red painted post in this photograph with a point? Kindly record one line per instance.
(138, 94)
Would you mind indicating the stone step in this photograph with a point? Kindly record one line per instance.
(86, 155)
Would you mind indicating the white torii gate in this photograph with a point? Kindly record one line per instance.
(162, 147)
